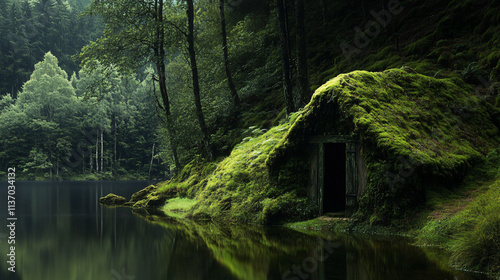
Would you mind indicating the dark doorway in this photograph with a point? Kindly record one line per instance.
(334, 190)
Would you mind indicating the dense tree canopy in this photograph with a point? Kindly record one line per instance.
(207, 71)
(59, 127)
(208, 58)
(30, 28)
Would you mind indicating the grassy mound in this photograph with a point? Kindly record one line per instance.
(241, 189)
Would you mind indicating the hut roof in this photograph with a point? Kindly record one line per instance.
(439, 123)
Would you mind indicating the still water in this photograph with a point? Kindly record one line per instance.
(62, 233)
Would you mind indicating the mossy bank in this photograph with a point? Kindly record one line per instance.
(417, 133)
(428, 145)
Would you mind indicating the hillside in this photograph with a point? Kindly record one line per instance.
(264, 180)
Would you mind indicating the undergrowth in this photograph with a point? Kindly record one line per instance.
(467, 223)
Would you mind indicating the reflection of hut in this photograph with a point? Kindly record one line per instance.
(379, 139)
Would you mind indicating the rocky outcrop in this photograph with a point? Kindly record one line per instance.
(112, 200)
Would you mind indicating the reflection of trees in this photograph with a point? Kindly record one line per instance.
(250, 252)
(66, 235)
(71, 254)
(254, 252)
(55, 243)
(369, 257)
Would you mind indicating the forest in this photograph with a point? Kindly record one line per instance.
(116, 141)
(238, 108)
(53, 129)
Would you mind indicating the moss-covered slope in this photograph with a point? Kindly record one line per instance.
(416, 131)
(469, 230)
(241, 189)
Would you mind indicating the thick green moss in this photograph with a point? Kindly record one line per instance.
(242, 189)
(112, 200)
(433, 122)
(415, 130)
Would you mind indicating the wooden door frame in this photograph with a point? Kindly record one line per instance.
(351, 176)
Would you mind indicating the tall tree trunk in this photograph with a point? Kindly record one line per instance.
(173, 143)
(115, 164)
(287, 82)
(303, 92)
(388, 27)
(324, 10)
(196, 83)
(102, 151)
(91, 160)
(97, 152)
(232, 88)
(288, 43)
(159, 51)
(112, 160)
(168, 116)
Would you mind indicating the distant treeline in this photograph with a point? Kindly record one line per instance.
(94, 125)
(30, 28)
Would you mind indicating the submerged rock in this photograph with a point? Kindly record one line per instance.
(112, 200)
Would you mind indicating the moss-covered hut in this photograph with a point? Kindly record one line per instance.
(376, 141)
(369, 143)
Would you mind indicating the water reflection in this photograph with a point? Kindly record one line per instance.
(278, 253)
(64, 234)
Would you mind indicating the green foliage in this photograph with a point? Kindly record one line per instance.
(127, 41)
(470, 235)
(47, 108)
(465, 221)
(54, 129)
(48, 95)
(32, 28)
(478, 247)
(250, 42)
(37, 163)
(6, 101)
(470, 72)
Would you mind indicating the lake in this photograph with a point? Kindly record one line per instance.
(62, 233)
